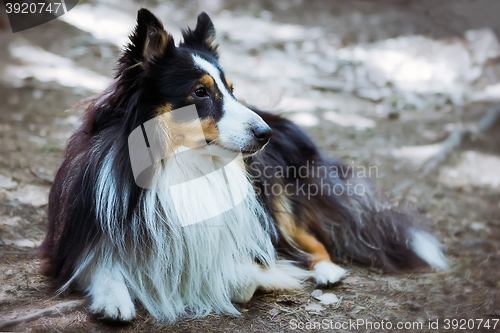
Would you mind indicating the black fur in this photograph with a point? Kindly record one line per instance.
(202, 37)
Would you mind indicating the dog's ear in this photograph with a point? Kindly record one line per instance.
(203, 36)
(148, 42)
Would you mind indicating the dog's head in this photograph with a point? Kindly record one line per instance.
(167, 77)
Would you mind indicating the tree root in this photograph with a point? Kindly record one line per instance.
(56, 310)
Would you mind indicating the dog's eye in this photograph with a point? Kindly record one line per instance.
(201, 92)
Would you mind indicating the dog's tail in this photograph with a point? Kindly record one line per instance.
(428, 248)
(363, 228)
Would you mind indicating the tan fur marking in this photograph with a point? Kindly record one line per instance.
(186, 134)
(207, 80)
(303, 239)
(210, 129)
(164, 109)
(229, 83)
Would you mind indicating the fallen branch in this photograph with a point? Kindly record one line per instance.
(56, 310)
(41, 176)
(453, 141)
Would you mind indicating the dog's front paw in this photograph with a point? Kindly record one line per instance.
(113, 307)
(244, 295)
(327, 273)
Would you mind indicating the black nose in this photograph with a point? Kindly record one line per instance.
(262, 133)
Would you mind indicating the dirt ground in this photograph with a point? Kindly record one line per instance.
(291, 57)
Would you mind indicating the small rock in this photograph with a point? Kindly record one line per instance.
(314, 308)
(36, 196)
(22, 242)
(37, 94)
(351, 279)
(477, 226)
(274, 312)
(7, 183)
(324, 298)
(328, 298)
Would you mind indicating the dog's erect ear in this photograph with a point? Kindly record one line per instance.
(148, 42)
(203, 36)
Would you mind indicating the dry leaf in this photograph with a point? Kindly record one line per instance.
(328, 298)
(317, 293)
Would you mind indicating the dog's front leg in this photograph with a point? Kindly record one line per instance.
(110, 296)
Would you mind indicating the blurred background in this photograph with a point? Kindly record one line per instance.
(409, 86)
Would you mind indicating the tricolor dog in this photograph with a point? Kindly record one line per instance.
(123, 244)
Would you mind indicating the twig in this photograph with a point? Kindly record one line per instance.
(56, 310)
(489, 119)
(41, 176)
(337, 305)
(453, 141)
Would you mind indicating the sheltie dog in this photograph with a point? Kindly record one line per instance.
(121, 243)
